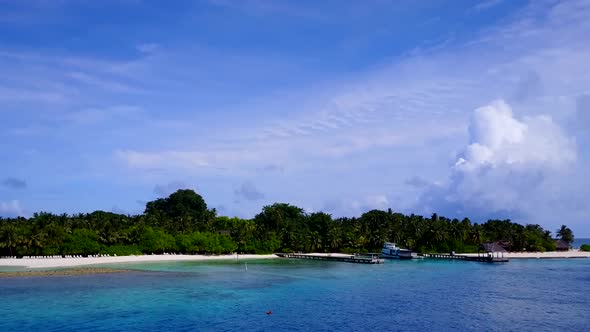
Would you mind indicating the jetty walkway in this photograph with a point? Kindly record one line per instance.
(482, 258)
(358, 258)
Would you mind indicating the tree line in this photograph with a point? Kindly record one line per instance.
(182, 223)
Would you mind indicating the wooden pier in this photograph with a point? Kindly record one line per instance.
(358, 258)
(479, 258)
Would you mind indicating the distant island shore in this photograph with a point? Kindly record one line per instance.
(44, 263)
(71, 262)
(182, 224)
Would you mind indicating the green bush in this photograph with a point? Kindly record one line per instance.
(81, 242)
(470, 248)
(550, 245)
(585, 247)
(354, 251)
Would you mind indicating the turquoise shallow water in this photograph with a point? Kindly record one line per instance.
(522, 295)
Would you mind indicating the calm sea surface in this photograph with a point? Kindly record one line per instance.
(578, 242)
(522, 295)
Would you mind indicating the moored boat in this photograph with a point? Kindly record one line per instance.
(390, 250)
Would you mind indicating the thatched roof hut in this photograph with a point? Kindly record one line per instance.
(492, 247)
(561, 245)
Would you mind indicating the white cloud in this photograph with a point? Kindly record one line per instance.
(11, 208)
(103, 83)
(499, 139)
(406, 117)
(506, 166)
(377, 202)
(167, 159)
(148, 48)
(421, 102)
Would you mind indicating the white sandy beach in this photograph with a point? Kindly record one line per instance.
(43, 263)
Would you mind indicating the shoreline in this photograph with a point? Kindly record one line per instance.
(32, 264)
(48, 263)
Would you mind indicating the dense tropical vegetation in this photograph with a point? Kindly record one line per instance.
(182, 223)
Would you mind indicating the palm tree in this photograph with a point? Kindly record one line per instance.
(315, 242)
(565, 234)
(334, 237)
(8, 237)
(35, 241)
(476, 234)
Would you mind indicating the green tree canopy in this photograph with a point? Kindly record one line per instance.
(183, 207)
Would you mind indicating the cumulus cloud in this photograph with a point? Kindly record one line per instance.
(164, 190)
(499, 139)
(249, 191)
(14, 183)
(505, 166)
(376, 202)
(11, 208)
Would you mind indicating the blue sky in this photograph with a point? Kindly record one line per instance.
(464, 108)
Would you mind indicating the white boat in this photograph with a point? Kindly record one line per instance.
(390, 250)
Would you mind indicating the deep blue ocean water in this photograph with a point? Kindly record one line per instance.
(578, 242)
(522, 295)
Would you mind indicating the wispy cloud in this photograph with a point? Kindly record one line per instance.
(14, 183)
(97, 115)
(148, 48)
(102, 83)
(486, 4)
(12, 208)
(242, 115)
(248, 191)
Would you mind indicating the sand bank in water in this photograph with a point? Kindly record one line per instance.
(64, 272)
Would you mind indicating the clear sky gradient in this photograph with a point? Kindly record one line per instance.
(464, 108)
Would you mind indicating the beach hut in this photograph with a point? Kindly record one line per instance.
(561, 245)
(492, 249)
